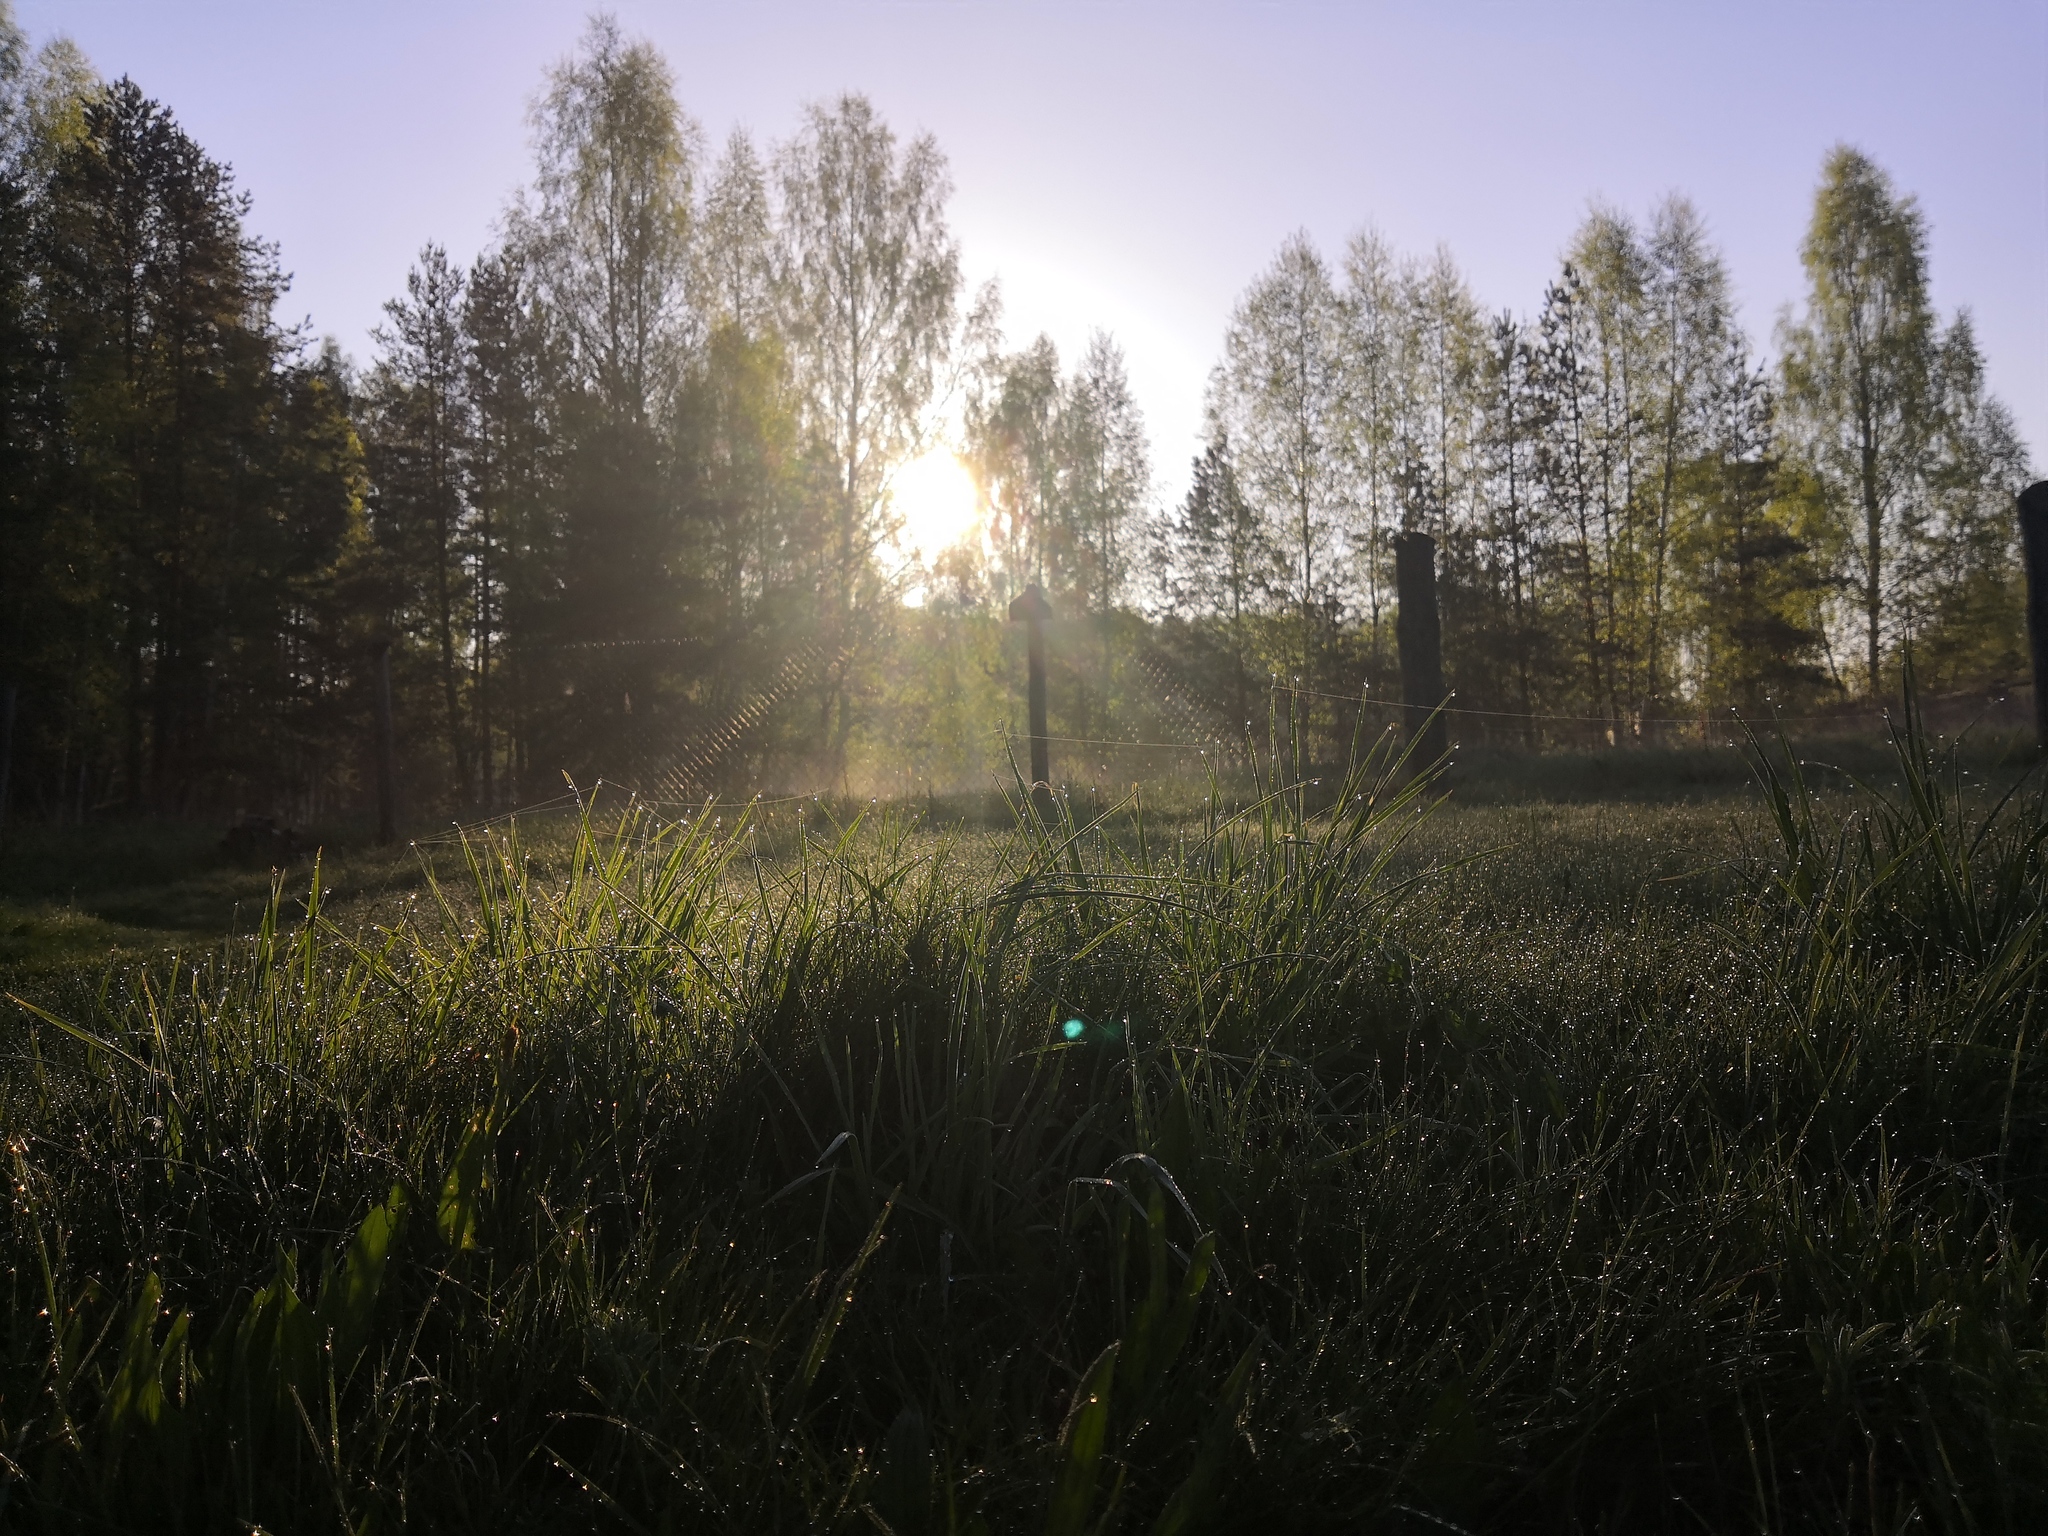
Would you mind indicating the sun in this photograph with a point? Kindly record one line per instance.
(938, 501)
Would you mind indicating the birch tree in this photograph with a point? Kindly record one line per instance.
(867, 288)
(610, 231)
(735, 241)
(1859, 379)
(1279, 397)
(1966, 592)
(1444, 342)
(1012, 422)
(1693, 343)
(1107, 472)
(1376, 400)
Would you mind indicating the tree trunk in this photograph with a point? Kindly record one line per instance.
(387, 751)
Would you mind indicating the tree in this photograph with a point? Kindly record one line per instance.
(1443, 342)
(42, 101)
(1748, 547)
(1107, 474)
(1220, 564)
(182, 484)
(1508, 527)
(1615, 345)
(1376, 395)
(159, 304)
(1012, 432)
(1968, 589)
(610, 237)
(1105, 482)
(1693, 344)
(735, 242)
(1859, 374)
(1278, 396)
(606, 242)
(753, 508)
(420, 446)
(509, 378)
(1568, 466)
(867, 286)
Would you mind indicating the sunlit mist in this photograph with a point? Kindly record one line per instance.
(938, 502)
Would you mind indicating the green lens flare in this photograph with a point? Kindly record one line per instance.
(1072, 1029)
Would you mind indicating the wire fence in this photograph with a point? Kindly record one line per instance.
(688, 769)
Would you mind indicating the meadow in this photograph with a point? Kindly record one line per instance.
(1601, 1142)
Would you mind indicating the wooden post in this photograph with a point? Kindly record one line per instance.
(1419, 636)
(1030, 609)
(2034, 546)
(7, 694)
(387, 751)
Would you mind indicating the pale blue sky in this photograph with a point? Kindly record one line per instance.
(1133, 166)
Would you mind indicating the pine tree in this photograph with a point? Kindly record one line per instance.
(158, 305)
(1220, 566)
(420, 444)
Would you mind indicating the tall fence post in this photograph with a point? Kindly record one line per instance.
(2034, 545)
(7, 695)
(387, 750)
(1030, 609)
(1419, 637)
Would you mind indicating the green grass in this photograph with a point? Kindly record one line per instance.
(121, 892)
(1548, 1162)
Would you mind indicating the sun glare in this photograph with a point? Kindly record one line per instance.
(937, 499)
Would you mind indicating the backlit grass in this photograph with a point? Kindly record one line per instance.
(1663, 1168)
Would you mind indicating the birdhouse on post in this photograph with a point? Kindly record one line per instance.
(1030, 609)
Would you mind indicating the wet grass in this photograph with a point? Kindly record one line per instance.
(1544, 1162)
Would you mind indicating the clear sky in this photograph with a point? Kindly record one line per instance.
(1132, 166)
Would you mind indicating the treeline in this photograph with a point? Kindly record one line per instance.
(621, 479)
(1636, 519)
(180, 479)
(618, 497)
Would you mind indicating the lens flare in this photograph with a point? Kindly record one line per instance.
(1073, 1029)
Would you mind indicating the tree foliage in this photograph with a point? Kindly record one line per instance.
(625, 494)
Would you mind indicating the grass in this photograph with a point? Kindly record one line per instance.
(1541, 1163)
(77, 899)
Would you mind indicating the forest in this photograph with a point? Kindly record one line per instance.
(620, 498)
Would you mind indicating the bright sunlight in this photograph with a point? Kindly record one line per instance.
(938, 501)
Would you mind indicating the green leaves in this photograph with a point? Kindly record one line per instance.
(136, 1400)
(462, 1190)
(348, 1296)
(273, 1354)
(1161, 1327)
(1081, 1441)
